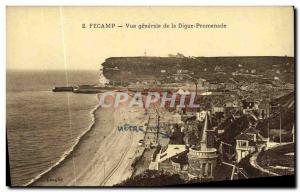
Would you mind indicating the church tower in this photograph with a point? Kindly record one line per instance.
(203, 157)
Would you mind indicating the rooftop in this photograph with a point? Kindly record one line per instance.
(171, 151)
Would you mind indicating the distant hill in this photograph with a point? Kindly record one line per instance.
(124, 68)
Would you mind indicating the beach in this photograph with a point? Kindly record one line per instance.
(44, 126)
(104, 155)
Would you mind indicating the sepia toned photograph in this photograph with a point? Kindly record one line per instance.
(149, 96)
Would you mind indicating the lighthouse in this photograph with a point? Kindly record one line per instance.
(203, 157)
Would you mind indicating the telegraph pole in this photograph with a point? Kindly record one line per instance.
(157, 128)
(196, 83)
(280, 127)
(269, 128)
(268, 115)
(293, 132)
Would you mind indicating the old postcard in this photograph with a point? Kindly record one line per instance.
(149, 96)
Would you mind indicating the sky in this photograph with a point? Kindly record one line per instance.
(44, 38)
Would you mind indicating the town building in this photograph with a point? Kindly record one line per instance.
(203, 157)
(248, 142)
(200, 116)
(264, 109)
(171, 158)
(249, 106)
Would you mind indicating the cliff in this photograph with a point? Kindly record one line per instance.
(130, 68)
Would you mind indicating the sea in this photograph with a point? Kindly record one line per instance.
(43, 126)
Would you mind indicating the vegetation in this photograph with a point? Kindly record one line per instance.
(277, 157)
(152, 178)
(249, 169)
(201, 66)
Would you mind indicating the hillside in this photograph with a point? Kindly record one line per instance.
(124, 68)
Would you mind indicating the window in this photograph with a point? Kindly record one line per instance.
(242, 143)
(209, 169)
(253, 136)
(203, 169)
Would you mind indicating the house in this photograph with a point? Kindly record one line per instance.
(201, 115)
(218, 109)
(182, 71)
(249, 106)
(264, 109)
(171, 158)
(244, 146)
(183, 101)
(230, 86)
(201, 82)
(178, 55)
(217, 68)
(231, 104)
(182, 92)
(248, 142)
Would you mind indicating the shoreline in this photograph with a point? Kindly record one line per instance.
(100, 152)
(69, 152)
